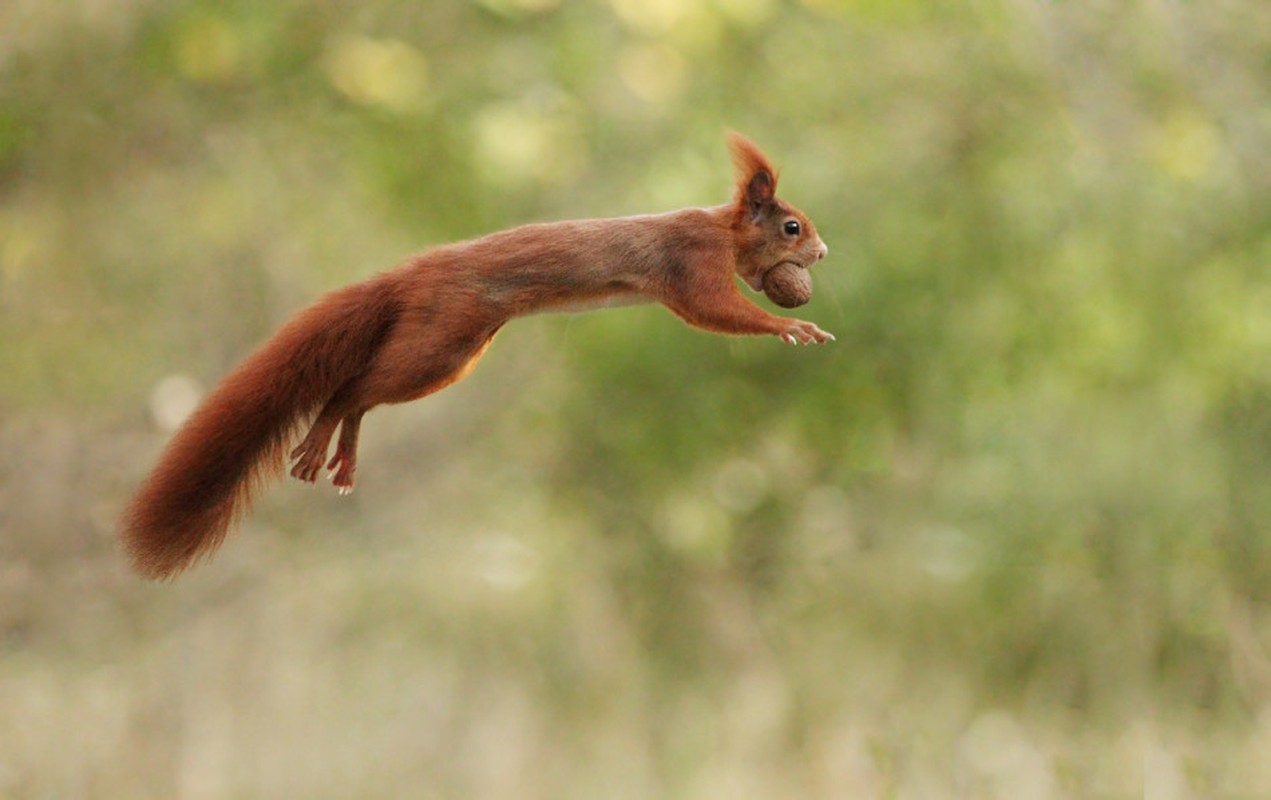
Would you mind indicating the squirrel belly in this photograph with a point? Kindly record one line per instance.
(618, 299)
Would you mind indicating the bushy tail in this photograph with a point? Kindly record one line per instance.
(205, 478)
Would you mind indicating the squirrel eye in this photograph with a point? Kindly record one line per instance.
(792, 227)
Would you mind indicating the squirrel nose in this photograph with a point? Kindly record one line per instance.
(823, 252)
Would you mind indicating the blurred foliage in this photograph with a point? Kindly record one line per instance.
(1009, 536)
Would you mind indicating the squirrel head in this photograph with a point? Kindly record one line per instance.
(768, 231)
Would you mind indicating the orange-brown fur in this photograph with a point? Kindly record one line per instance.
(418, 328)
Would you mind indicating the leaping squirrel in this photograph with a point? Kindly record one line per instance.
(420, 327)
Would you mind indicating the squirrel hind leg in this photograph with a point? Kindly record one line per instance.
(311, 454)
(344, 462)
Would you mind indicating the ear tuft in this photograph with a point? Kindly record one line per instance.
(756, 179)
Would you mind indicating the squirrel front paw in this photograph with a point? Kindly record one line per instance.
(800, 332)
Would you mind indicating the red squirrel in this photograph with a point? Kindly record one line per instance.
(420, 327)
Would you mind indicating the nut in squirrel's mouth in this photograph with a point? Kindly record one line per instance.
(755, 282)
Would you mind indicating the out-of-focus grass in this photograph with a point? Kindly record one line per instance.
(1007, 537)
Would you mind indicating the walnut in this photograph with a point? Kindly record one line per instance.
(788, 285)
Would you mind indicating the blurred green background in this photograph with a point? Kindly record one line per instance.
(1009, 536)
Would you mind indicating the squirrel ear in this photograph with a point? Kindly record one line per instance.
(759, 193)
(756, 179)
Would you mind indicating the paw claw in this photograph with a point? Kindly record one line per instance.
(800, 332)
